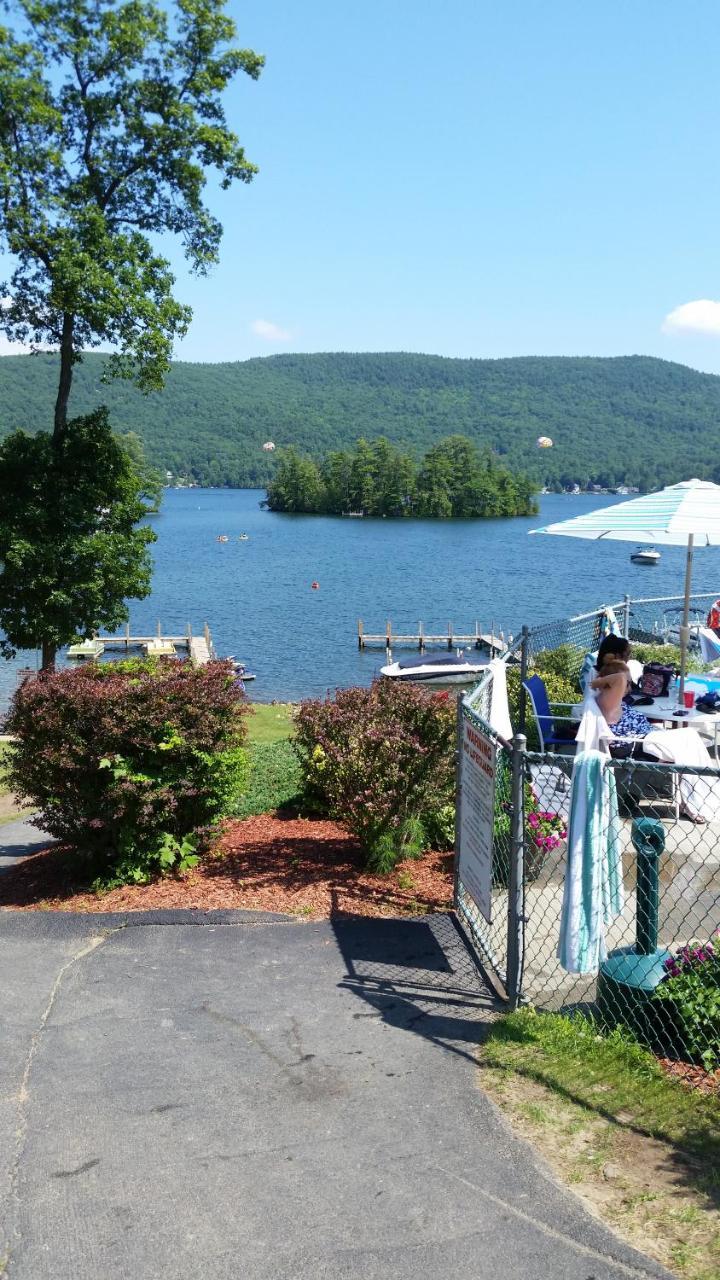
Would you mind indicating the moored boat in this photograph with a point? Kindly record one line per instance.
(645, 555)
(92, 648)
(437, 668)
(159, 648)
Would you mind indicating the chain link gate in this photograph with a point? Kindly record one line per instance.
(661, 982)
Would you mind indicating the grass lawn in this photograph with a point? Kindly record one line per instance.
(270, 722)
(275, 778)
(9, 810)
(642, 1148)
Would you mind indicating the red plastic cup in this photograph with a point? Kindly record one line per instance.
(689, 700)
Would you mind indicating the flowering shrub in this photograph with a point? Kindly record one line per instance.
(380, 760)
(130, 762)
(546, 830)
(692, 985)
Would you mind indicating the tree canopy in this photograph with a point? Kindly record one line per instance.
(630, 420)
(111, 121)
(69, 546)
(377, 479)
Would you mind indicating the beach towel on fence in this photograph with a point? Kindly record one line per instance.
(593, 892)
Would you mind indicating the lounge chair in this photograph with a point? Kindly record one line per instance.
(546, 716)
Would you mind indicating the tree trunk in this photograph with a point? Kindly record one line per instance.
(66, 373)
(49, 652)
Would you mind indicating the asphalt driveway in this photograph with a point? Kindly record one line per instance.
(232, 1097)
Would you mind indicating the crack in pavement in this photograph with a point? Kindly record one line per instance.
(635, 1272)
(23, 1094)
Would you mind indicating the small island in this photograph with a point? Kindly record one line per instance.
(453, 479)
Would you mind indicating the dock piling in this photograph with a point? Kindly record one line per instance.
(423, 640)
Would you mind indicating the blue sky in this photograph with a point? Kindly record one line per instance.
(471, 177)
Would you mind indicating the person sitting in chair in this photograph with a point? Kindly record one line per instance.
(612, 683)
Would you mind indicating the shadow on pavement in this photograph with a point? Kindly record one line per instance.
(418, 976)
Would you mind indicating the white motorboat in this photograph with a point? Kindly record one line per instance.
(645, 555)
(92, 648)
(437, 668)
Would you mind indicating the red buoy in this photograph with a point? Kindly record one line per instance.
(315, 586)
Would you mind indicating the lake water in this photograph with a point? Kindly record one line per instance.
(257, 595)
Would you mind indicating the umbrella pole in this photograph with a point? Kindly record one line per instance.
(685, 628)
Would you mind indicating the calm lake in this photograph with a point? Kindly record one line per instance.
(257, 597)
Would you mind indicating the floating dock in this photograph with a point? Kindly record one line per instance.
(422, 639)
(199, 648)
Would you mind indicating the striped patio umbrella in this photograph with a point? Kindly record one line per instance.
(685, 514)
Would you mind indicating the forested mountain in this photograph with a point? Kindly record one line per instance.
(455, 478)
(630, 419)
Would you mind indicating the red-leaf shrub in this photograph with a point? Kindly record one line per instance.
(382, 760)
(130, 762)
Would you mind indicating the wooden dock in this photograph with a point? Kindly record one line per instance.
(422, 639)
(200, 648)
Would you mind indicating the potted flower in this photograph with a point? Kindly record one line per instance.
(544, 831)
(691, 987)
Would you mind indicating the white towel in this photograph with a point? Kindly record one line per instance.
(594, 732)
(700, 796)
(499, 707)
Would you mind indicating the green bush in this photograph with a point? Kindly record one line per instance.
(668, 654)
(439, 825)
(565, 661)
(130, 763)
(381, 760)
(692, 987)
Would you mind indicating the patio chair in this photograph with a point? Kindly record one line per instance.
(546, 716)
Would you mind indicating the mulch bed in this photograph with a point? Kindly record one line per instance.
(275, 862)
(693, 1076)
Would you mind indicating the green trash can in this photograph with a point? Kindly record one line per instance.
(629, 976)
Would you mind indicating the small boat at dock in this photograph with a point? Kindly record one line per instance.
(437, 668)
(645, 555)
(159, 648)
(241, 670)
(92, 648)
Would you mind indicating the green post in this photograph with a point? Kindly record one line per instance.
(628, 978)
(648, 837)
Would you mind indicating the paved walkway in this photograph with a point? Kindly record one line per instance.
(238, 1097)
(18, 839)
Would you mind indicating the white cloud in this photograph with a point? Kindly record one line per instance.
(702, 316)
(269, 331)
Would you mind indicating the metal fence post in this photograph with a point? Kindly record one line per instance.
(524, 648)
(626, 615)
(516, 920)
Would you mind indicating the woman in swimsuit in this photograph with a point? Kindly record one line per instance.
(612, 683)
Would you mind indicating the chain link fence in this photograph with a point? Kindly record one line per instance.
(490, 937)
(658, 974)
